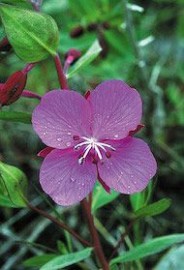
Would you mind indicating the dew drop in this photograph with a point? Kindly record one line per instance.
(116, 136)
(131, 176)
(83, 184)
(59, 139)
(135, 182)
(72, 179)
(69, 133)
(129, 187)
(68, 143)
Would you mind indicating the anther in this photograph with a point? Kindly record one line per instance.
(76, 137)
(108, 154)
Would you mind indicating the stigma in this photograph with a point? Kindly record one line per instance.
(91, 143)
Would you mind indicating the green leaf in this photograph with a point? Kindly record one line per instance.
(38, 261)
(20, 117)
(137, 200)
(4, 200)
(13, 184)
(33, 35)
(87, 58)
(61, 247)
(101, 197)
(153, 209)
(151, 247)
(18, 3)
(66, 260)
(173, 260)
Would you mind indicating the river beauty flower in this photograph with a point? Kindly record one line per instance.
(90, 138)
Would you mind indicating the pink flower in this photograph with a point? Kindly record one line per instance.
(90, 138)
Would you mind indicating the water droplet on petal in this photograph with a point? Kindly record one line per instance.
(128, 186)
(116, 136)
(68, 144)
(83, 184)
(69, 133)
(59, 139)
(72, 179)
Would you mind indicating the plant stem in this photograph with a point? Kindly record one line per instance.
(28, 67)
(61, 75)
(96, 242)
(122, 238)
(59, 223)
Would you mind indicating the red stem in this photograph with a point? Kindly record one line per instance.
(61, 75)
(28, 67)
(59, 223)
(96, 242)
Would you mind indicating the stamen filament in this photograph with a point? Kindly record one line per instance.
(92, 143)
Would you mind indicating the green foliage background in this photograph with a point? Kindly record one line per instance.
(143, 46)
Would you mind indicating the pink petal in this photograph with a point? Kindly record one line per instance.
(116, 109)
(60, 116)
(130, 166)
(64, 179)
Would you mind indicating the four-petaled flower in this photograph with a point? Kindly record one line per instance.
(91, 138)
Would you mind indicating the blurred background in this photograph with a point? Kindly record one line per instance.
(143, 44)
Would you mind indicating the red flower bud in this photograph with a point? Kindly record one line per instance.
(12, 89)
(72, 55)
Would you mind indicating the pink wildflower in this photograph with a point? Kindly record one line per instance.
(91, 138)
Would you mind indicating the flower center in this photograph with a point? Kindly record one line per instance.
(92, 144)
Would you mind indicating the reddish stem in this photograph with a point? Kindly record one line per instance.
(61, 75)
(27, 68)
(59, 223)
(96, 242)
(30, 94)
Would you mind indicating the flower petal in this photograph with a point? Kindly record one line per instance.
(64, 179)
(130, 166)
(116, 108)
(60, 116)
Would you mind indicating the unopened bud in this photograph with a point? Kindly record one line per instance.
(12, 89)
(77, 32)
(72, 55)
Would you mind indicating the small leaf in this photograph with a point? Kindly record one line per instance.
(13, 184)
(32, 35)
(38, 261)
(173, 260)
(66, 260)
(87, 58)
(151, 247)
(11, 116)
(61, 247)
(153, 209)
(18, 3)
(101, 197)
(137, 200)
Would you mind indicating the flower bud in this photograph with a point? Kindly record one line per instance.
(72, 55)
(12, 89)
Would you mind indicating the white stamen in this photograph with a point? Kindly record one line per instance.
(92, 143)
